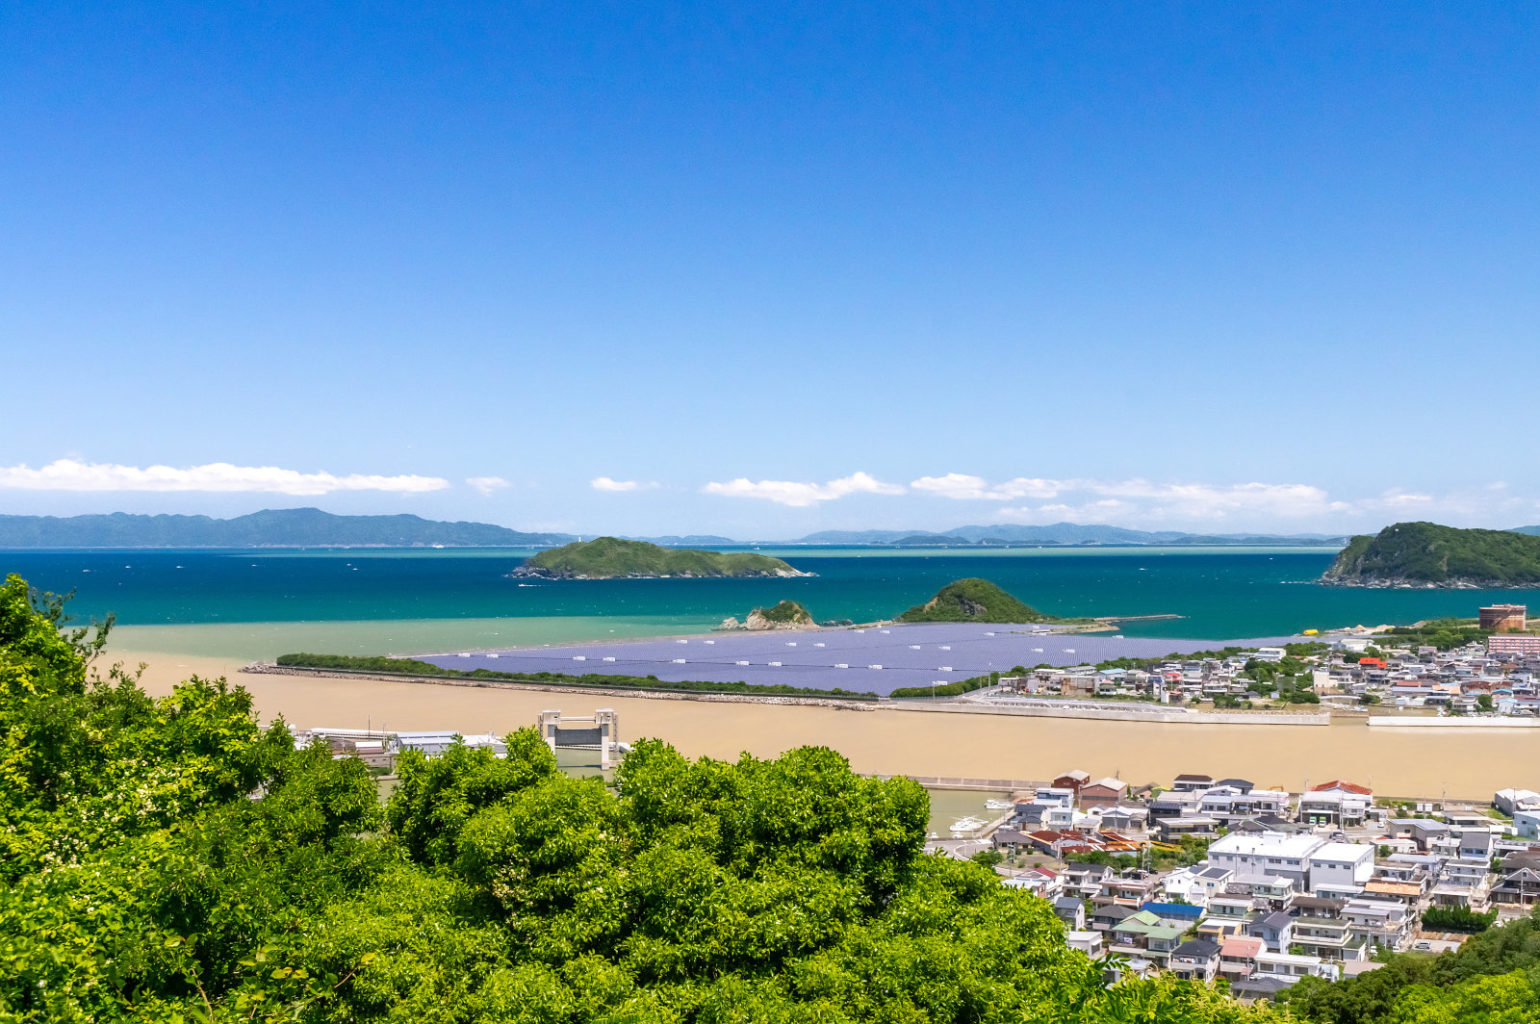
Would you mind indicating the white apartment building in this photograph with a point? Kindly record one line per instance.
(1338, 869)
(1254, 857)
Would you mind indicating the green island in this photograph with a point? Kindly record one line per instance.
(973, 600)
(783, 615)
(171, 859)
(1430, 555)
(607, 558)
(413, 667)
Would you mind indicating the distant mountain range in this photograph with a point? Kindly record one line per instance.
(277, 528)
(311, 527)
(1055, 533)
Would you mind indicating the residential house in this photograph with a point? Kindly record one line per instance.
(1520, 886)
(1527, 824)
(1169, 829)
(1071, 911)
(1195, 960)
(1379, 922)
(1510, 801)
(1290, 967)
(1208, 881)
(1321, 930)
(1134, 889)
(1276, 930)
(1125, 818)
(1183, 915)
(1192, 783)
(1340, 868)
(1335, 803)
(1009, 840)
(1103, 793)
(1089, 943)
(1084, 880)
(1238, 957)
(1108, 916)
(1266, 855)
(1174, 804)
(1072, 780)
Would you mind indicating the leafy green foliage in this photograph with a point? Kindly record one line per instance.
(1493, 978)
(611, 557)
(785, 612)
(413, 667)
(1445, 634)
(1430, 553)
(973, 600)
(1457, 919)
(170, 860)
(949, 689)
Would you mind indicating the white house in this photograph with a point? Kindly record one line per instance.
(1510, 801)
(1527, 824)
(1263, 855)
(1341, 868)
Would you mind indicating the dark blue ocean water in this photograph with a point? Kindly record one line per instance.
(1219, 593)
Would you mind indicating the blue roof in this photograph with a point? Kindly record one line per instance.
(1173, 910)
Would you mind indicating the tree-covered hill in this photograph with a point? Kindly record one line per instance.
(172, 860)
(973, 600)
(612, 558)
(1428, 554)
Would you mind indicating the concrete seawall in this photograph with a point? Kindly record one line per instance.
(1116, 714)
(1410, 722)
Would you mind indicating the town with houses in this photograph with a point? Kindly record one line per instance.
(1217, 879)
(1498, 674)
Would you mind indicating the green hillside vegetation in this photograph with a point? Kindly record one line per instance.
(785, 613)
(611, 558)
(1427, 553)
(170, 859)
(411, 667)
(1494, 978)
(973, 600)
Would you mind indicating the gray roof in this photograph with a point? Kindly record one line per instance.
(1198, 949)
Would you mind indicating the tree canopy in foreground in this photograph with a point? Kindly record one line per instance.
(172, 859)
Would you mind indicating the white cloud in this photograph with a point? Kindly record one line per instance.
(604, 483)
(1141, 501)
(487, 484)
(73, 475)
(962, 487)
(802, 495)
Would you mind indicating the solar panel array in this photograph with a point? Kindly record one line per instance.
(876, 659)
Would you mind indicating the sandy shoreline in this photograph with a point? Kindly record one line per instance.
(1398, 762)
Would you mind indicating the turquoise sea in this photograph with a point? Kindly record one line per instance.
(264, 602)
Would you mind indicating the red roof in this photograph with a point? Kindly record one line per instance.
(1347, 787)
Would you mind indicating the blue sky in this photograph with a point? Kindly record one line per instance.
(773, 269)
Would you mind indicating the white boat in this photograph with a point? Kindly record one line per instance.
(968, 824)
(998, 805)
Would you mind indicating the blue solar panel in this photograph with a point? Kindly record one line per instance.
(911, 655)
